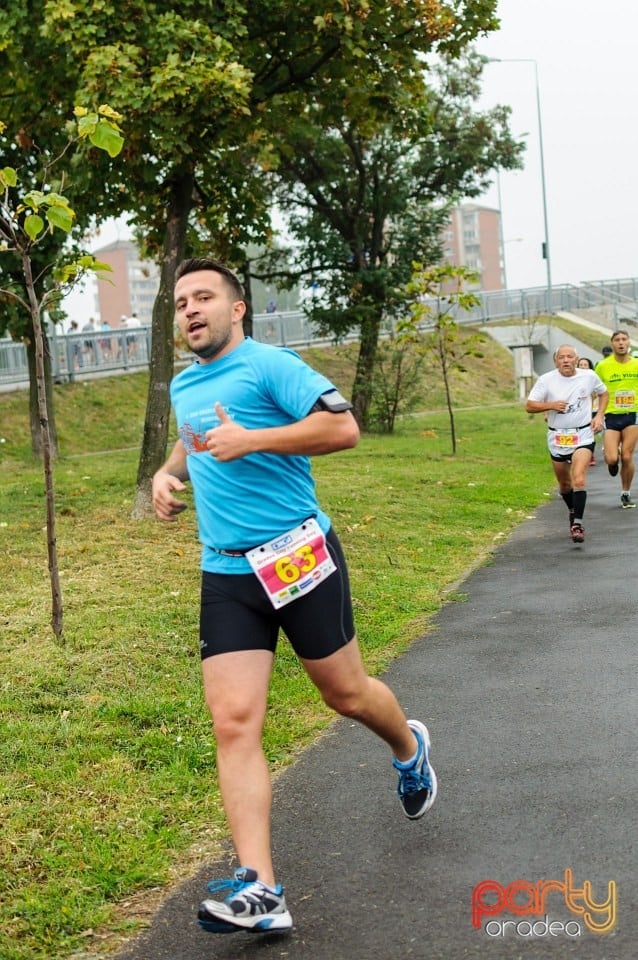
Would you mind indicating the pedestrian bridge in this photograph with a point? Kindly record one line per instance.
(81, 355)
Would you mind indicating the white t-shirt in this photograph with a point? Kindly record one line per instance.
(571, 429)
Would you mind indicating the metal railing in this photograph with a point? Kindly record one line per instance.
(80, 355)
(84, 355)
(536, 301)
(620, 302)
(291, 329)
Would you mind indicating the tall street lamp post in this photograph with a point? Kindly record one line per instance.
(545, 247)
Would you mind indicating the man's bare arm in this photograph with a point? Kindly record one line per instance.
(319, 433)
(170, 478)
(542, 406)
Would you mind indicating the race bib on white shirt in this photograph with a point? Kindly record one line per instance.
(568, 439)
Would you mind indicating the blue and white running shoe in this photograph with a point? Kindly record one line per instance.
(417, 779)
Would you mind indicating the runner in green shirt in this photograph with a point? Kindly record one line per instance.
(619, 373)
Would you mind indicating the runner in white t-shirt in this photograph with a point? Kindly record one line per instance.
(565, 395)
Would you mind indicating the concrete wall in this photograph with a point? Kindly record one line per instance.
(544, 339)
(533, 346)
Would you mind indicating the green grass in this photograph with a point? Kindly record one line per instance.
(592, 338)
(106, 754)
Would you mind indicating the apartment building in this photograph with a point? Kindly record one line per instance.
(472, 239)
(133, 284)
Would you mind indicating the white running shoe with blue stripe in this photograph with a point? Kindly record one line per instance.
(250, 905)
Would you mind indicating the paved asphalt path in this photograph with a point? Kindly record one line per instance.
(528, 687)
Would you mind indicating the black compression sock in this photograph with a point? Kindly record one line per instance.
(580, 498)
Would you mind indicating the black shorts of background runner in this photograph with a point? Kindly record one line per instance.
(236, 613)
(567, 457)
(618, 421)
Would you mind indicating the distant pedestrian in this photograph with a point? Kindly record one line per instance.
(619, 373)
(131, 339)
(122, 347)
(77, 360)
(89, 342)
(565, 395)
(105, 341)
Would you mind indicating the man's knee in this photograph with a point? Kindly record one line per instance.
(230, 718)
(344, 701)
(627, 452)
(232, 728)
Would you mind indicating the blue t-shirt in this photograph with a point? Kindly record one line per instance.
(246, 502)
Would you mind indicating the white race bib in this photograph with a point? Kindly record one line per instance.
(293, 564)
(566, 438)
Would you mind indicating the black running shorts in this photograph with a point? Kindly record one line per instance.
(236, 614)
(567, 457)
(619, 421)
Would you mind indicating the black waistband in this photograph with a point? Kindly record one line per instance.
(242, 553)
(581, 427)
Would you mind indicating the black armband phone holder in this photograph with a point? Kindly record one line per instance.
(332, 401)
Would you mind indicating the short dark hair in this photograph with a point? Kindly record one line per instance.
(617, 333)
(194, 264)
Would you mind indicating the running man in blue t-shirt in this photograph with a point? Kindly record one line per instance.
(250, 416)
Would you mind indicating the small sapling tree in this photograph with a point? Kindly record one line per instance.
(28, 213)
(438, 293)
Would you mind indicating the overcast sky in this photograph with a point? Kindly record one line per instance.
(585, 53)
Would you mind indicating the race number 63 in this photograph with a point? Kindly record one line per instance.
(289, 569)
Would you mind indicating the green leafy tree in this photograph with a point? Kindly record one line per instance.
(28, 213)
(367, 177)
(207, 91)
(203, 88)
(38, 83)
(177, 75)
(437, 295)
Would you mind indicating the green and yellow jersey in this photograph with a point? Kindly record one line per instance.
(621, 380)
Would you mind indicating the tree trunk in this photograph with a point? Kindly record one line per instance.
(448, 391)
(40, 353)
(158, 406)
(34, 406)
(248, 317)
(362, 386)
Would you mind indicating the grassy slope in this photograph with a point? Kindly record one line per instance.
(95, 415)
